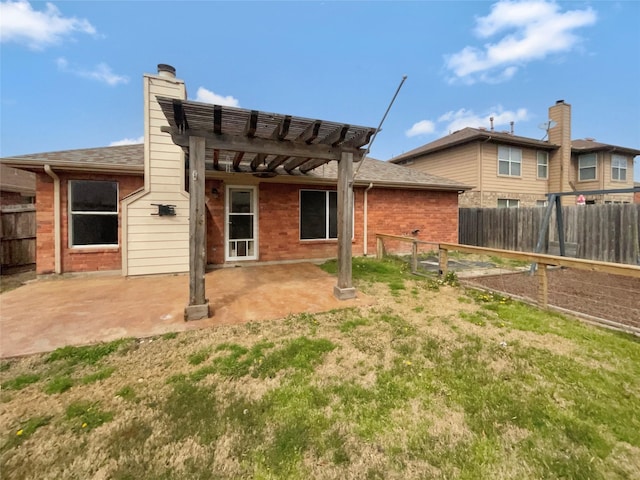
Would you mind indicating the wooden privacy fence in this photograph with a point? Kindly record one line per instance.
(17, 236)
(608, 233)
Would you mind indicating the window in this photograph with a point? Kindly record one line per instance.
(543, 164)
(509, 161)
(93, 209)
(618, 168)
(318, 215)
(587, 167)
(508, 203)
(541, 203)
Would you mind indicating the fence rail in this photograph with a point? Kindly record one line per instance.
(17, 236)
(607, 233)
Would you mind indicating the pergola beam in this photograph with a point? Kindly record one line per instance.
(236, 143)
(281, 131)
(257, 160)
(276, 162)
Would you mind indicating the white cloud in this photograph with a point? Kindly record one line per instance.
(101, 72)
(127, 141)
(531, 29)
(453, 121)
(423, 127)
(207, 96)
(20, 23)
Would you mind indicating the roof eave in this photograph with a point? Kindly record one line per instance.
(72, 166)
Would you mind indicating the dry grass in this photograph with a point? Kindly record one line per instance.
(430, 382)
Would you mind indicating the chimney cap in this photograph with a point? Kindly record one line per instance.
(166, 70)
(559, 101)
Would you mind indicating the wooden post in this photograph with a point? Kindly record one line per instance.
(344, 289)
(543, 295)
(414, 257)
(198, 307)
(444, 261)
(379, 248)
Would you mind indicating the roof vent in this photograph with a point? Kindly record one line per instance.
(165, 70)
(484, 129)
(590, 139)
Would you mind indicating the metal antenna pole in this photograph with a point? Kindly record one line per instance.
(373, 139)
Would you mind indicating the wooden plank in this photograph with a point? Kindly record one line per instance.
(197, 232)
(443, 261)
(336, 137)
(281, 131)
(217, 119)
(543, 287)
(311, 164)
(237, 158)
(216, 159)
(291, 164)
(360, 139)
(276, 162)
(578, 263)
(236, 143)
(252, 124)
(344, 288)
(257, 160)
(310, 133)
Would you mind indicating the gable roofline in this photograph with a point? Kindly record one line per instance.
(130, 159)
(587, 145)
(468, 135)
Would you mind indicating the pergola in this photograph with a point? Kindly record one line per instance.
(266, 144)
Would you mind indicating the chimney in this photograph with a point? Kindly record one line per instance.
(165, 70)
(560, 172)
(491, 120)
(511, 127)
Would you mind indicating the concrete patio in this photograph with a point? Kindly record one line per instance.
(48, 314)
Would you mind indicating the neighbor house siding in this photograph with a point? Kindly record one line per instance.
(458, 164)
(157, 244)
(75, 259)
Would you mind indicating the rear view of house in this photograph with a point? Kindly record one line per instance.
(126, 209)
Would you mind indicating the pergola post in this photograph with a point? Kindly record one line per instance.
(344, 289)
(198, 307)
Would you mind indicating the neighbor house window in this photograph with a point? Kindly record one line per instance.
(93, 212)
(543, 164)
(587, 167)
(618, 168)
(508, 203)
(318, 215)
(509, 161)
(541, 203)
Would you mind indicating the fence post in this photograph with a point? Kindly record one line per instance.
(379, 248)
(543, 296)
(414, 257)
(444, 261)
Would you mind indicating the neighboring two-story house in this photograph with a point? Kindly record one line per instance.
(507, 170)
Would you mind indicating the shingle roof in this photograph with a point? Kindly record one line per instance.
(588, 145)
(469, 134)
(120, 158)
(131, 158)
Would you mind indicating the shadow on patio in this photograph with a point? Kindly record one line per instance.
(47, 314)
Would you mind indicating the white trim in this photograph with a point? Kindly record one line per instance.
(254, 207)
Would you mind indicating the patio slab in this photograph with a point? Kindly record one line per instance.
(48, 314)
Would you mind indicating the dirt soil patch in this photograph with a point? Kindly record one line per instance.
(602, 295)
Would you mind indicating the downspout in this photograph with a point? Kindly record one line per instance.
(366, 219)
(56, 217)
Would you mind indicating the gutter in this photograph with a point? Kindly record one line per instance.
(56, 218)
(366, 219)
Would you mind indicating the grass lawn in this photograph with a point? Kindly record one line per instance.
(434, 381)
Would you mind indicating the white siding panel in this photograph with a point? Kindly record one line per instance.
(152, 262)
(163, 227)
(158, 269)
(158, 252)
(158, 245)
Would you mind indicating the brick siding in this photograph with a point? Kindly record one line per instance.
(78, 259)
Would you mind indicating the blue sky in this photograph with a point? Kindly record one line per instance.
(71, 72)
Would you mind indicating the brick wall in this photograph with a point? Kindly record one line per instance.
(391, 211)
(78, 259)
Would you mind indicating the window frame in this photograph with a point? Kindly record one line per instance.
(508, 203)
(587, 156)
(619, 168)
(545, 165)
(509, 161)
(71, 214)
(327, 216)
